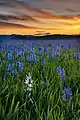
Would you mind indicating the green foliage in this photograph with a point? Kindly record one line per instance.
(44, 103)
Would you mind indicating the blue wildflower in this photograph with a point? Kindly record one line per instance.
(10, 56)
(30, 57)
(45, 50)
(54, 51)
(0, 47)
(78, 55)
(58, 68)
(70, 46)
(67, 93)
(14, 71)
(9, 49)
(19, 65)
(39, 50)
(62, 73)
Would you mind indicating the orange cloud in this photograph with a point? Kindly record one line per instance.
(24, 19)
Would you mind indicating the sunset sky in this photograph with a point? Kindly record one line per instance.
(39, 17)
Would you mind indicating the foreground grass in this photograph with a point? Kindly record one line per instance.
(44, 102)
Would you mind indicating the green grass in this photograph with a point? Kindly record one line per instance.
(45, 103)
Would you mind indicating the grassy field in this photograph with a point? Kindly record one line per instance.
(39, 86)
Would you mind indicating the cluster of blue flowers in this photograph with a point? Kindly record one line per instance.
(67, 93)
(12, 66)
(10, 55)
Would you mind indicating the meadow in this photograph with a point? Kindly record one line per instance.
(41, 84)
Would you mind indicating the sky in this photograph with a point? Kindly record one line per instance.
(39, 17)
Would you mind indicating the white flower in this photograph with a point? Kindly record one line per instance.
(29, 89)
(28, 82)
(30, 85)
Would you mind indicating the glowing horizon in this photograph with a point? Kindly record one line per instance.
(29, 17)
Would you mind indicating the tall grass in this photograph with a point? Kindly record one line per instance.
(45, 101)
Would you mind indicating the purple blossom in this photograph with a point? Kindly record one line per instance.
(78, 56)
(45, 50)
(39, 50)
(61, 72)
(67, 93)
(58, 68)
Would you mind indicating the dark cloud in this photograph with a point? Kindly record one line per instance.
(13, 25)
(27, 7)
(13, 17)
(16, 7)
(43, 33)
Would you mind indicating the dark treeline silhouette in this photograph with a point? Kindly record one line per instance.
(45, 37)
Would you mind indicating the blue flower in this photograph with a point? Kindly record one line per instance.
(10, 56)
(78, 56)
(39, 50)
(1, 48)
(19, 65)
(67, 93)
(54, 51)
(30, 57)
(61, 72)
(58, 68)
(45, 50)
(14, 71)
(70, 46)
